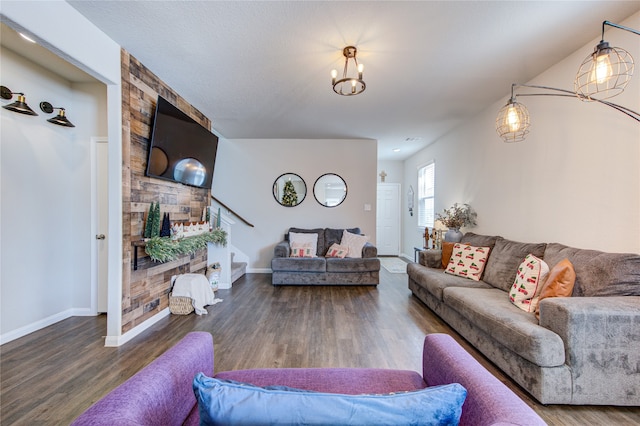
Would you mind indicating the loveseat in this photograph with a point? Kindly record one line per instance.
(162, 392)
(584, 349)
(321, 270)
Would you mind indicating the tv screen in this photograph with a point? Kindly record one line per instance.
(181, 150)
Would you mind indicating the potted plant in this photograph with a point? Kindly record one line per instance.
(454, 218)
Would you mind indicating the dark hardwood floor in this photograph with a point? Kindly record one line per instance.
(49, 377)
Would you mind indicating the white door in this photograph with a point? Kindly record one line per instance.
(388, 219)
(101, 212)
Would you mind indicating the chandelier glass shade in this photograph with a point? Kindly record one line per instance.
(512, 123)
(605, 73)
(351, 83)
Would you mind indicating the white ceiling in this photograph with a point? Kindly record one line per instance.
(261, 69)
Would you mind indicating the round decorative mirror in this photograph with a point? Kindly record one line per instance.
(289, 189)
(330, 190)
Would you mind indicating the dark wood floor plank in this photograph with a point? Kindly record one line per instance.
(49, 377)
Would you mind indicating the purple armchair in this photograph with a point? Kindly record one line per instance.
(162, 394)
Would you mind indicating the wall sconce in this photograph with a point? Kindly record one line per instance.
(59, 119)
(18, 106)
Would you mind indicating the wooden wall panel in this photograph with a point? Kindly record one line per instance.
(145, 292)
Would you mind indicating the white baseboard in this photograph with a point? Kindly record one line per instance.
(35, 326)
(114, 341)
(259, 270)
(406, 256)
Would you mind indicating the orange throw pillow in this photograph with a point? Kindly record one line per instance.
(559, 283)
(447, 250)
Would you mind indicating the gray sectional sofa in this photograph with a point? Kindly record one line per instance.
(324, 271)
(584, 349)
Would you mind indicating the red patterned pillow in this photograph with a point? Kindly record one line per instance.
(467, 261)
(528, 283)
(336, 250)
(302, 251)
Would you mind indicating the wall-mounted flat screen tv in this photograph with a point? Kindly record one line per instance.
(181, 150)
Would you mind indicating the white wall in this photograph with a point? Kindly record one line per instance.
(45, 197)
(246, 169)
(394, 170)
(65, 32)
(574, 180)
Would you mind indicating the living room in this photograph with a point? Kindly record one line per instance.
(575, 179)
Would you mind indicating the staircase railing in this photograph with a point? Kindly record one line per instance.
(232, 212)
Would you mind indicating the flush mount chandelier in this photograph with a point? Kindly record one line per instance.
(603, 74)
(353, 84)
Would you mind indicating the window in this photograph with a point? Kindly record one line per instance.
(426, 194)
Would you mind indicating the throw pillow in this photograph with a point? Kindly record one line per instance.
(337, 250)
(301, 240)
(354, 243)
(447, 249)
(559, 283)
(230, 402)
(528, 283)
(467, 261)
(302, 251)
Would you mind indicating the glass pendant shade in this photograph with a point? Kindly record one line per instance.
(604, 74)
(512, 123)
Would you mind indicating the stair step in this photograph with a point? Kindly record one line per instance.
(238, 269)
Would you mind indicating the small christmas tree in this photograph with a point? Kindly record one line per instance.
(289, 195)
(165, 231)
(147, 226)
(155, 223)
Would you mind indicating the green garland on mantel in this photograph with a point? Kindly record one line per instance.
(164, 249)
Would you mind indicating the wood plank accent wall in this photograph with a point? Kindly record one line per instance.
(145, 292)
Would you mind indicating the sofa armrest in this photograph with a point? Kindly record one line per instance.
(601, 336)
(163, 389)
(431, 258)
(282, 249)
(369, 250)
(489, 401)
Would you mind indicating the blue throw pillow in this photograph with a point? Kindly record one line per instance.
(228, 402)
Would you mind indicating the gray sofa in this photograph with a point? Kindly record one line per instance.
(324, 271)
(584, 349)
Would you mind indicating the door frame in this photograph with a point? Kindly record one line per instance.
(93, 306)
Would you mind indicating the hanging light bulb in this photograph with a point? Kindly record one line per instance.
(605, 72)
(512, 122)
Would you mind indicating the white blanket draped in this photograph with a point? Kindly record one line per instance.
(196, 287)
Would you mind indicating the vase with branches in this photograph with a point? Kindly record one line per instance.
(454, 218)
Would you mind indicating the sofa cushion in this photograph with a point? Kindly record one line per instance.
(352, 265)
(599, 273)
(479, 240)
(504, 259)
(336, 250)
(447, 250)
(299, 240)
(525, 291)
(435, 280)
(467, 261)
(354, 242)
(231, 402)
(321, 247)
(334, 236)
(293, 264)
(302, 251)
(558, 283)
(334, 380)
(490, 310)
